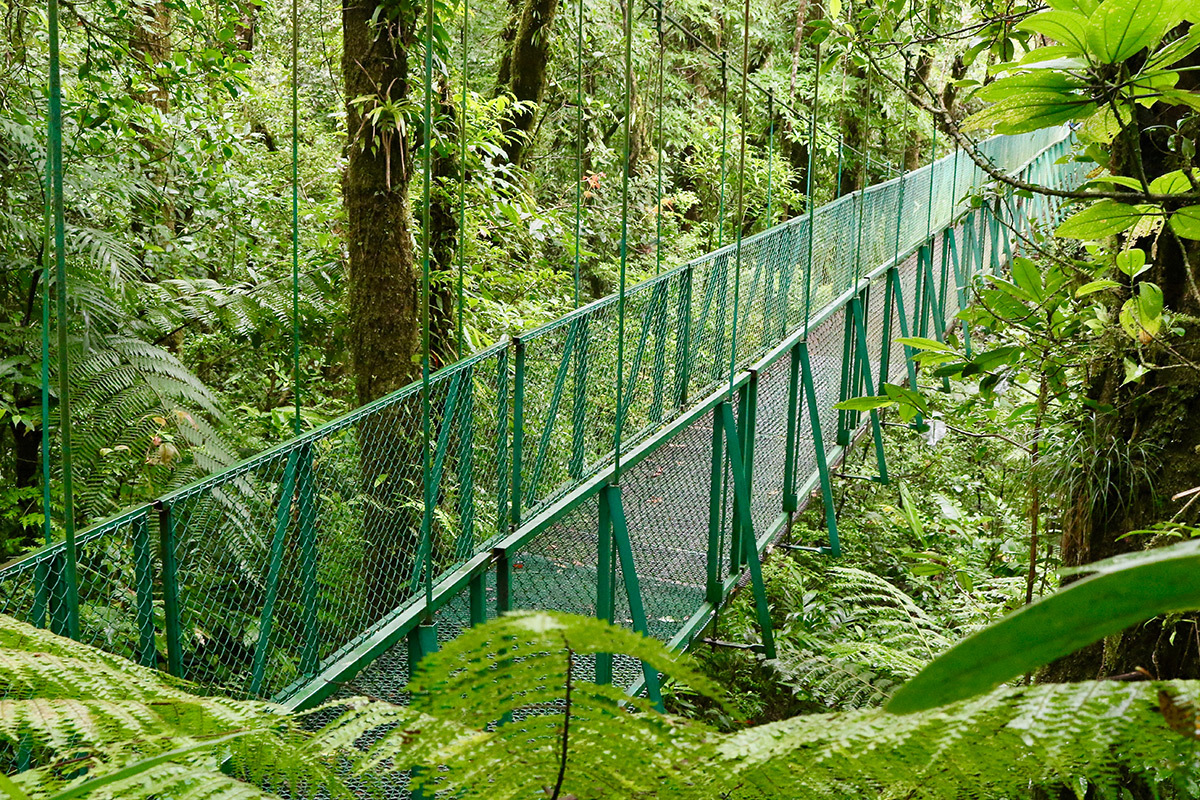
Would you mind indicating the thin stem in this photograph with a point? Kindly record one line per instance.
(566, 729)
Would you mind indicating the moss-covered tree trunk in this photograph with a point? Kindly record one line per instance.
(384, 287)
(522, 70)
(1135, 458)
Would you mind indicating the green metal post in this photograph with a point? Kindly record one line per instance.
(465, 546)
(170, 588)
(306, 518)
(283, 516)
(814, 416)
(143, 575)
(605, 589)
(477, 599)
(422, 641)
(741, 487)
(790, 501)
(885, 348)
(611, 496)
(503, 581)
(54, 156)
(502, 451)
(579, 404)
(683, 344)
(518, 432)
(843, 428)
(865, 365)
(714, 592)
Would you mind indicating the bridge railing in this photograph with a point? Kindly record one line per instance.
(296, 569)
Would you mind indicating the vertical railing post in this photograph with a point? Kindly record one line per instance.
(143, 577)
(747, 410)
(170, 588)
(502, 450)
(714, 592)
(518, 432)
(477, 598)
(605, 589)
(503, 580)
(844, 390)
(885, 347)
(790, 501)
(683, 344)
(306, 518)
(579, 405)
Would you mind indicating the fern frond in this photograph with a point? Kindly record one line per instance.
(998, 745)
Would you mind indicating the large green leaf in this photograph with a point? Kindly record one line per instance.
(1105, 218)
(1120, 28)
(1171, 183)
(1042, 80)
(1120, 595)
(1068, 27)
(863, 403)
(1031, 111)
(1026, 275)
(1186, 222)
(1171, 53)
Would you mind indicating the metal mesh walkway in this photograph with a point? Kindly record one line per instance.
(295, 573)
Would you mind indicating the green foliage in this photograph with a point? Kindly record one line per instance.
(1124, 591)
(82, 722)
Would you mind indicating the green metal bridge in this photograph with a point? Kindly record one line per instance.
(327, 564)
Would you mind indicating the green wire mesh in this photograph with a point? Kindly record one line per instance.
(255, 579)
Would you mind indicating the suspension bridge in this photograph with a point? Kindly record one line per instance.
(327, 565)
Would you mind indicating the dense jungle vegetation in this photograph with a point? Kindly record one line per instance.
(1015, 611)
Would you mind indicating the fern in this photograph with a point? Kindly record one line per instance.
(1071, 736)
(866, 639)
(487, 721)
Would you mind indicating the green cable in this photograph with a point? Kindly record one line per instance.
(624, 241)
(770, 154)
(741, 194)
(812, 206)
(932, 158)
(903, 181)
(862, 194)
(54, 131)
(47, 527)
(578, 143)
(659, 193)
(462, 181)
(426, 185)
(724, 116)
(837, 189)
(296, 214)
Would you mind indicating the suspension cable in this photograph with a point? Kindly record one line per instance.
(578, 142)
(724, 139)
(628, 32)
(426, 184)
(659, 189)
(770, 154)
(54, 132)
(296, 214)
(810, 205)
(741, 195)
(462, 179)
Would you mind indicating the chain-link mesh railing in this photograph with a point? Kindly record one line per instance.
(292, 572)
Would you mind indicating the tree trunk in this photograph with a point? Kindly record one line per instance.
(522, 70)
(1148, 448)
(384, 289)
